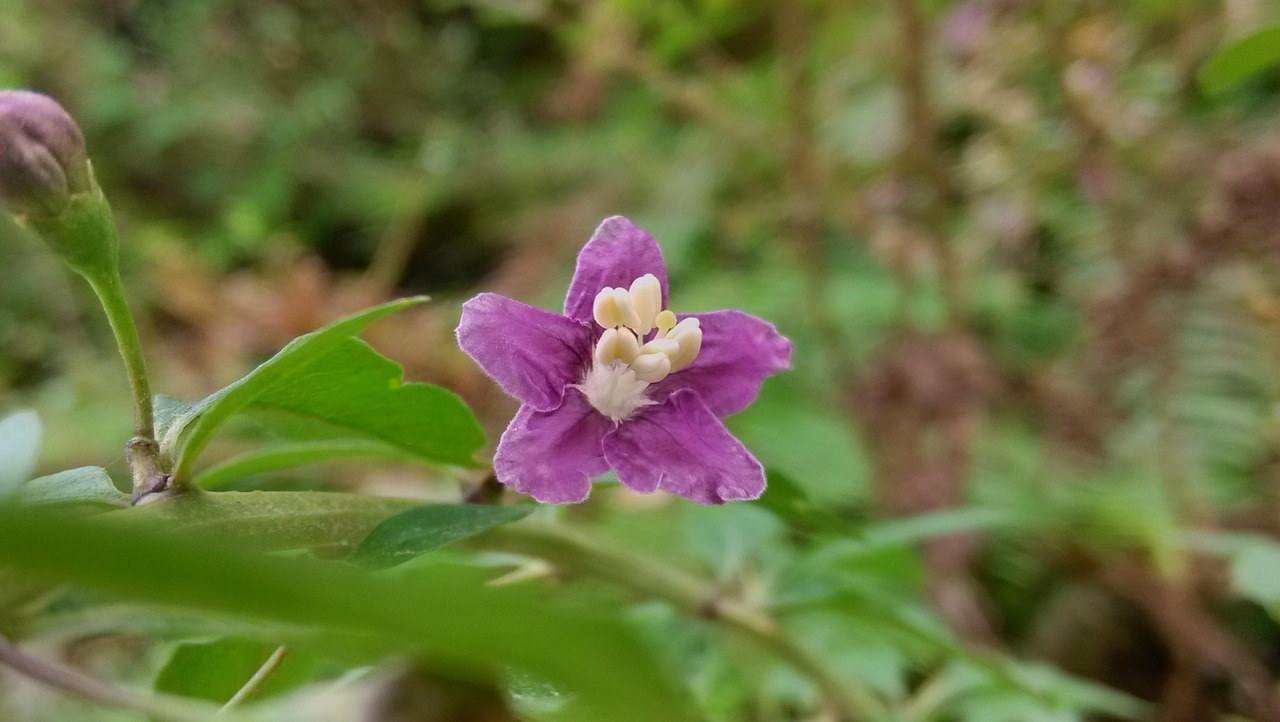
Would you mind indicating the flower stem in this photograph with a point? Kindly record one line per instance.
(144, 452)
(649, 578)
(95, 690)
(258, 679)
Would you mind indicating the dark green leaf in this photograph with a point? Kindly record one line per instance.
(417, 531)
(84, 485)
(1241, 60)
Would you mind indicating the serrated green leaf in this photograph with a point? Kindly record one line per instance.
(417, 531)
(300, 380)
(20, 437)
(442, 611)
(354, 392)
(83, 485)
(1241, 59)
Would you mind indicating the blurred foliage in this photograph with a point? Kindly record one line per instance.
(1026, 465)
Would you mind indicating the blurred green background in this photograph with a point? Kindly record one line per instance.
(1028, 261)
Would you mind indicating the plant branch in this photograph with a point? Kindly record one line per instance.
(74, 682)
(144, 452)
(647, 578)
(258, 679)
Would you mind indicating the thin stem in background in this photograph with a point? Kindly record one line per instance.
(922, 154)
(806, 188)
(79, 684)
(258, 679)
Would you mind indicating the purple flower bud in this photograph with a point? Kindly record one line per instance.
(42, 154)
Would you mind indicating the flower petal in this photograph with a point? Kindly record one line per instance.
(618, 253)
(682, 448)
(531, 353)
(553, 455)
(739, 351)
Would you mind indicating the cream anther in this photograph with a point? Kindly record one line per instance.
(624, 365)
(651, 367)
(613, 308)
(688, 337)
(617, 344)
(646, 298)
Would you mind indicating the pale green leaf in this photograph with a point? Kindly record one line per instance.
(83, 485)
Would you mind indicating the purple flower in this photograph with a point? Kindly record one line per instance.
(620, 382)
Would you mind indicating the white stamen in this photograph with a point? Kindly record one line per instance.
(651, 367)
(612, 308)
(646, 298)
(623, 368)
(688, 336)
(617, 344)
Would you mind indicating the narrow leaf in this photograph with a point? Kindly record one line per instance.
(290, 456)
(1241, 60)
(417, 531)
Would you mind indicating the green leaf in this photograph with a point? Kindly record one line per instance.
(289, 456)
(354, 392)
(84, 485)
(357, 393)
(20, 436)
(417, 531)
(171, 418)
(212, 671)
(1241, 59)
(276, 520)
(442, 611)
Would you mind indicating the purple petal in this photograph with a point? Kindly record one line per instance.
(618, 253)
(739, 351)
(553, 455)
(682, 448)
(531, 353)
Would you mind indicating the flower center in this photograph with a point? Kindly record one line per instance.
(624, 363)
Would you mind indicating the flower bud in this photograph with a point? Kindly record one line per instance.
(47, 182)
(42, 155)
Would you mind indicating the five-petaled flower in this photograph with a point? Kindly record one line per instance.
(620, 382)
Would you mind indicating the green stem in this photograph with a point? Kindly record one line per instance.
(144, 452)
(648, 578)
(258, 679)
(110, 292)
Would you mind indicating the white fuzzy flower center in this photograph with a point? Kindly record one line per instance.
(624, 364)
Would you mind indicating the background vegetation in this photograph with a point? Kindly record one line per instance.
(1026, 465)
